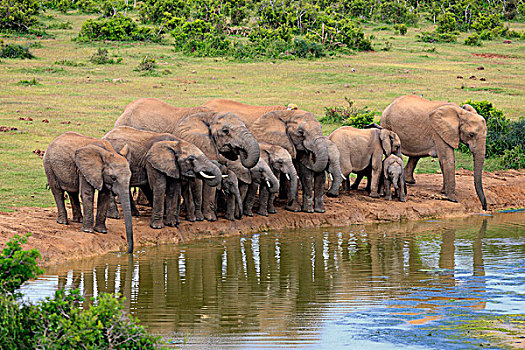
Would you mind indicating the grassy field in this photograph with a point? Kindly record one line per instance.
(74, 94)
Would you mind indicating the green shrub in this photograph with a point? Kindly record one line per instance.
(447, 23)
(348, 115)
(401, 28)
(396, 12)
(514, 158)
(435, 37)
(15, 51)
(101, 57)
(473, 40)
(117, 28)
(147, 64)
(163, 11)
(200, 38)
(31, 82)
(19, 15)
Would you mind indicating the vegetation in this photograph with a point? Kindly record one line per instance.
(15, 51)
(59, 322)
(116, 28)
(349, 115)
(101, 57)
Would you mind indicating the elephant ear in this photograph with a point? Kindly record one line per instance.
(469, 108)
(243, 174)
(126, 152)
(386, 143)
(271, 128)
(195, 130)
(445, 122)
(90, 162)
(163, 157)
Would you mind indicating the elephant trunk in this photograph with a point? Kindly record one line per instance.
(238, 200)
(320, 152)
(335, 170)
(395, 182)
(123, 194)
(250, 150)
(293, 186)
(479, 159)
(273, 183)
(210, 173)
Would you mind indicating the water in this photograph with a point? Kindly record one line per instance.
(383, 286)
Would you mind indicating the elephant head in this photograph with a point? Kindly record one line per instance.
(296, 131)
(280, 161)
(262, 174)
(453, 124)
(393, 170)
(390, 142)
(102, 168)
(181, 158)
(220, 133)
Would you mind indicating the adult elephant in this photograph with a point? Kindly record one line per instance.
(248, 113)
(300, 133)
(433, 128)
(159, 163)
(143, 113)
(77, 163)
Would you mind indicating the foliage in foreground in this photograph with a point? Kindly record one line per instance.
(59, 322)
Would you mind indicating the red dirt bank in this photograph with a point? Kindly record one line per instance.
(58, 243)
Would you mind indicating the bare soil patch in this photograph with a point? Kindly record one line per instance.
(59, 243)
(491, 55)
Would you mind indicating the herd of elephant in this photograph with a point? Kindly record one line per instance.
(221, 155)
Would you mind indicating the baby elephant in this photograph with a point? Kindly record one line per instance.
(80, 164)
(393, 174)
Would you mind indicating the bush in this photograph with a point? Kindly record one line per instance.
(349, 115)
(435, 37)
(31, 82)
(473, 40)
(514, 158)
(15, 51)
(60, 322)
(117, 28)
(147, 64)
(397, 12)
(18, 15)
(447, 23)
(401, 28)
(101, 57)
(200, 38)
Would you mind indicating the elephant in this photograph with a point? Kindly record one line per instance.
(249, 181)
(143, 113)
(299, 133)
(228, 194)
(159, 163)
(214, 133)
(362, 153)
(77, 163)
(281, 163)
(248, 113)
(393, 175)
(433, 128)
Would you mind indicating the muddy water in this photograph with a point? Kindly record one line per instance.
(365, 286)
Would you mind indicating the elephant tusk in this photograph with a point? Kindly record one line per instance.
(344, 178)
(204, 175)
(269, 184)
(331, 177)
(224, 176)
(287, 177)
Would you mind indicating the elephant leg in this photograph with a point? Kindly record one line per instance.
(401, 190)
(87, 192)
(196, 192)
(104, 197)
(133, 206)
(294, 206)
(172, 203)
(250, 199)
(208, 202)
(113, 212)
(284, 187)
(306, 176)
(447, 163)
(159, 190)
(357, 181)
(319, 182)
(271, 205)
(388, 190)
(189, 201)
(75, 206)
(264, 196)
(376, 171)
(61, 204)
(148, 193)
(409, 170)
(243, 190)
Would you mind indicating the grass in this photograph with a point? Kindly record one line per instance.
(71, 88)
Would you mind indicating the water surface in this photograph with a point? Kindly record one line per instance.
(364, 286)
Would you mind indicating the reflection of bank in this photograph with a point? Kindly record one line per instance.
(279, 285)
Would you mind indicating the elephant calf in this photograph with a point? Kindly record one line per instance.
(393, 175)
(159, 162)
(228, 195)
(77, 163)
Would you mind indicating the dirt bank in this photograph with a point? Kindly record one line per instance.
(58, 243)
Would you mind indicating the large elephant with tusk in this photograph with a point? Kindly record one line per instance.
(434, 128)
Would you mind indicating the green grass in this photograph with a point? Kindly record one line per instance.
(71, 88)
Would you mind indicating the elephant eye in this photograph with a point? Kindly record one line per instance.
(225, 131)
(191, 158)
(280, 161)
(300, 132)
(113, 177)
(471, 134)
